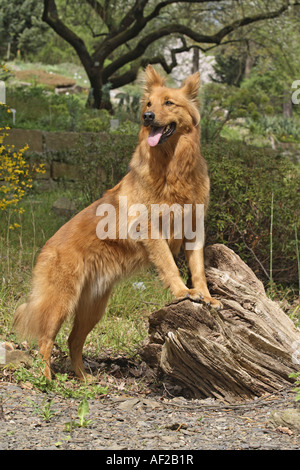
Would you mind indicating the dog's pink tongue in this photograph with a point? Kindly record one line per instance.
(155, 135)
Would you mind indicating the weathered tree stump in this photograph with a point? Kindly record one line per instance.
(247, 349)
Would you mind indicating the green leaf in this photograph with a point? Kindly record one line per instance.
(83, 410)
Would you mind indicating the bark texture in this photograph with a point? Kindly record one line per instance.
(247, 349)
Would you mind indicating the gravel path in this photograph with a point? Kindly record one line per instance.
(134, 421)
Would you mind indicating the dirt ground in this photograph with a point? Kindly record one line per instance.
(140, 415)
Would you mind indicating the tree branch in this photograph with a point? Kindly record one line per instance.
(166, 3)
(104, 13)
(135, 13)
(98, 8)
(214, 39)
(50, 16)
(131, 74)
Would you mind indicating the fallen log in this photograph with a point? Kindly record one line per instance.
(247, 349)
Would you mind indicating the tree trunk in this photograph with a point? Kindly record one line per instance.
(196, 58)
(248, 66)
(99, 96)
(245, 350)
(287, 106)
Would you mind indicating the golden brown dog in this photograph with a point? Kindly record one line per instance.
(77, 267)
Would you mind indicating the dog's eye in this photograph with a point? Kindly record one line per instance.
(149, 104)
(169, 103)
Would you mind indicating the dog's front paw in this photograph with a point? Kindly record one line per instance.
(195, 295)
(189, 294)
(213, 302)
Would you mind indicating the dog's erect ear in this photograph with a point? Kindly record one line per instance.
(191, 86)
(152, 79)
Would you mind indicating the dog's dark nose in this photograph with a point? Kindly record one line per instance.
(148, 117)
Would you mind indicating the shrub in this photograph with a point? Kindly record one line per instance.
(102, 162)
(243, 180)
(95, 121)
(221, 104)
(283, 128)
(16, 175)
(38, 108)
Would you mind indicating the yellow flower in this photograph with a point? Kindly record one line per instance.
(13, 226)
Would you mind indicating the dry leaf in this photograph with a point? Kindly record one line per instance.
(27, 385)
(284, 430)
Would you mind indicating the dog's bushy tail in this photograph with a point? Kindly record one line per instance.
(25, 324)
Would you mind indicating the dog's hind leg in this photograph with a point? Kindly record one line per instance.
(49, 305)
(45, 350)
(41, 319)
(88, 313)
(49, 325)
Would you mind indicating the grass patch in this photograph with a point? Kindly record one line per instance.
(41, 77)
(67, 70)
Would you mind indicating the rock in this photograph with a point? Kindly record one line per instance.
(169, 439)
(18, 357)
(289, 418)
(22, 137)
(64, 207)
(129, 404)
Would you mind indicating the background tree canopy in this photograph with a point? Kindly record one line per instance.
(113, 39)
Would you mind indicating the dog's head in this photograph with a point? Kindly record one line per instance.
(167, 111)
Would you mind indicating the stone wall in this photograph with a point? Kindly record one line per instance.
(48, 147)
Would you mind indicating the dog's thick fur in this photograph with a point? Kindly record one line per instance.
(75, 271)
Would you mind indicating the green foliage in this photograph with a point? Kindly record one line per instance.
(129, 102)
(229, 67)
(45, 410)
(15, 172)
(60, 386)
(22, 26)
(266, 84)
(83, 410)
(296, 376)
(221, 103)
(38, 108)
(283, 129)
(95, 121)
(56, 51)
(242, 182)
(103, 161)
(127, 128)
